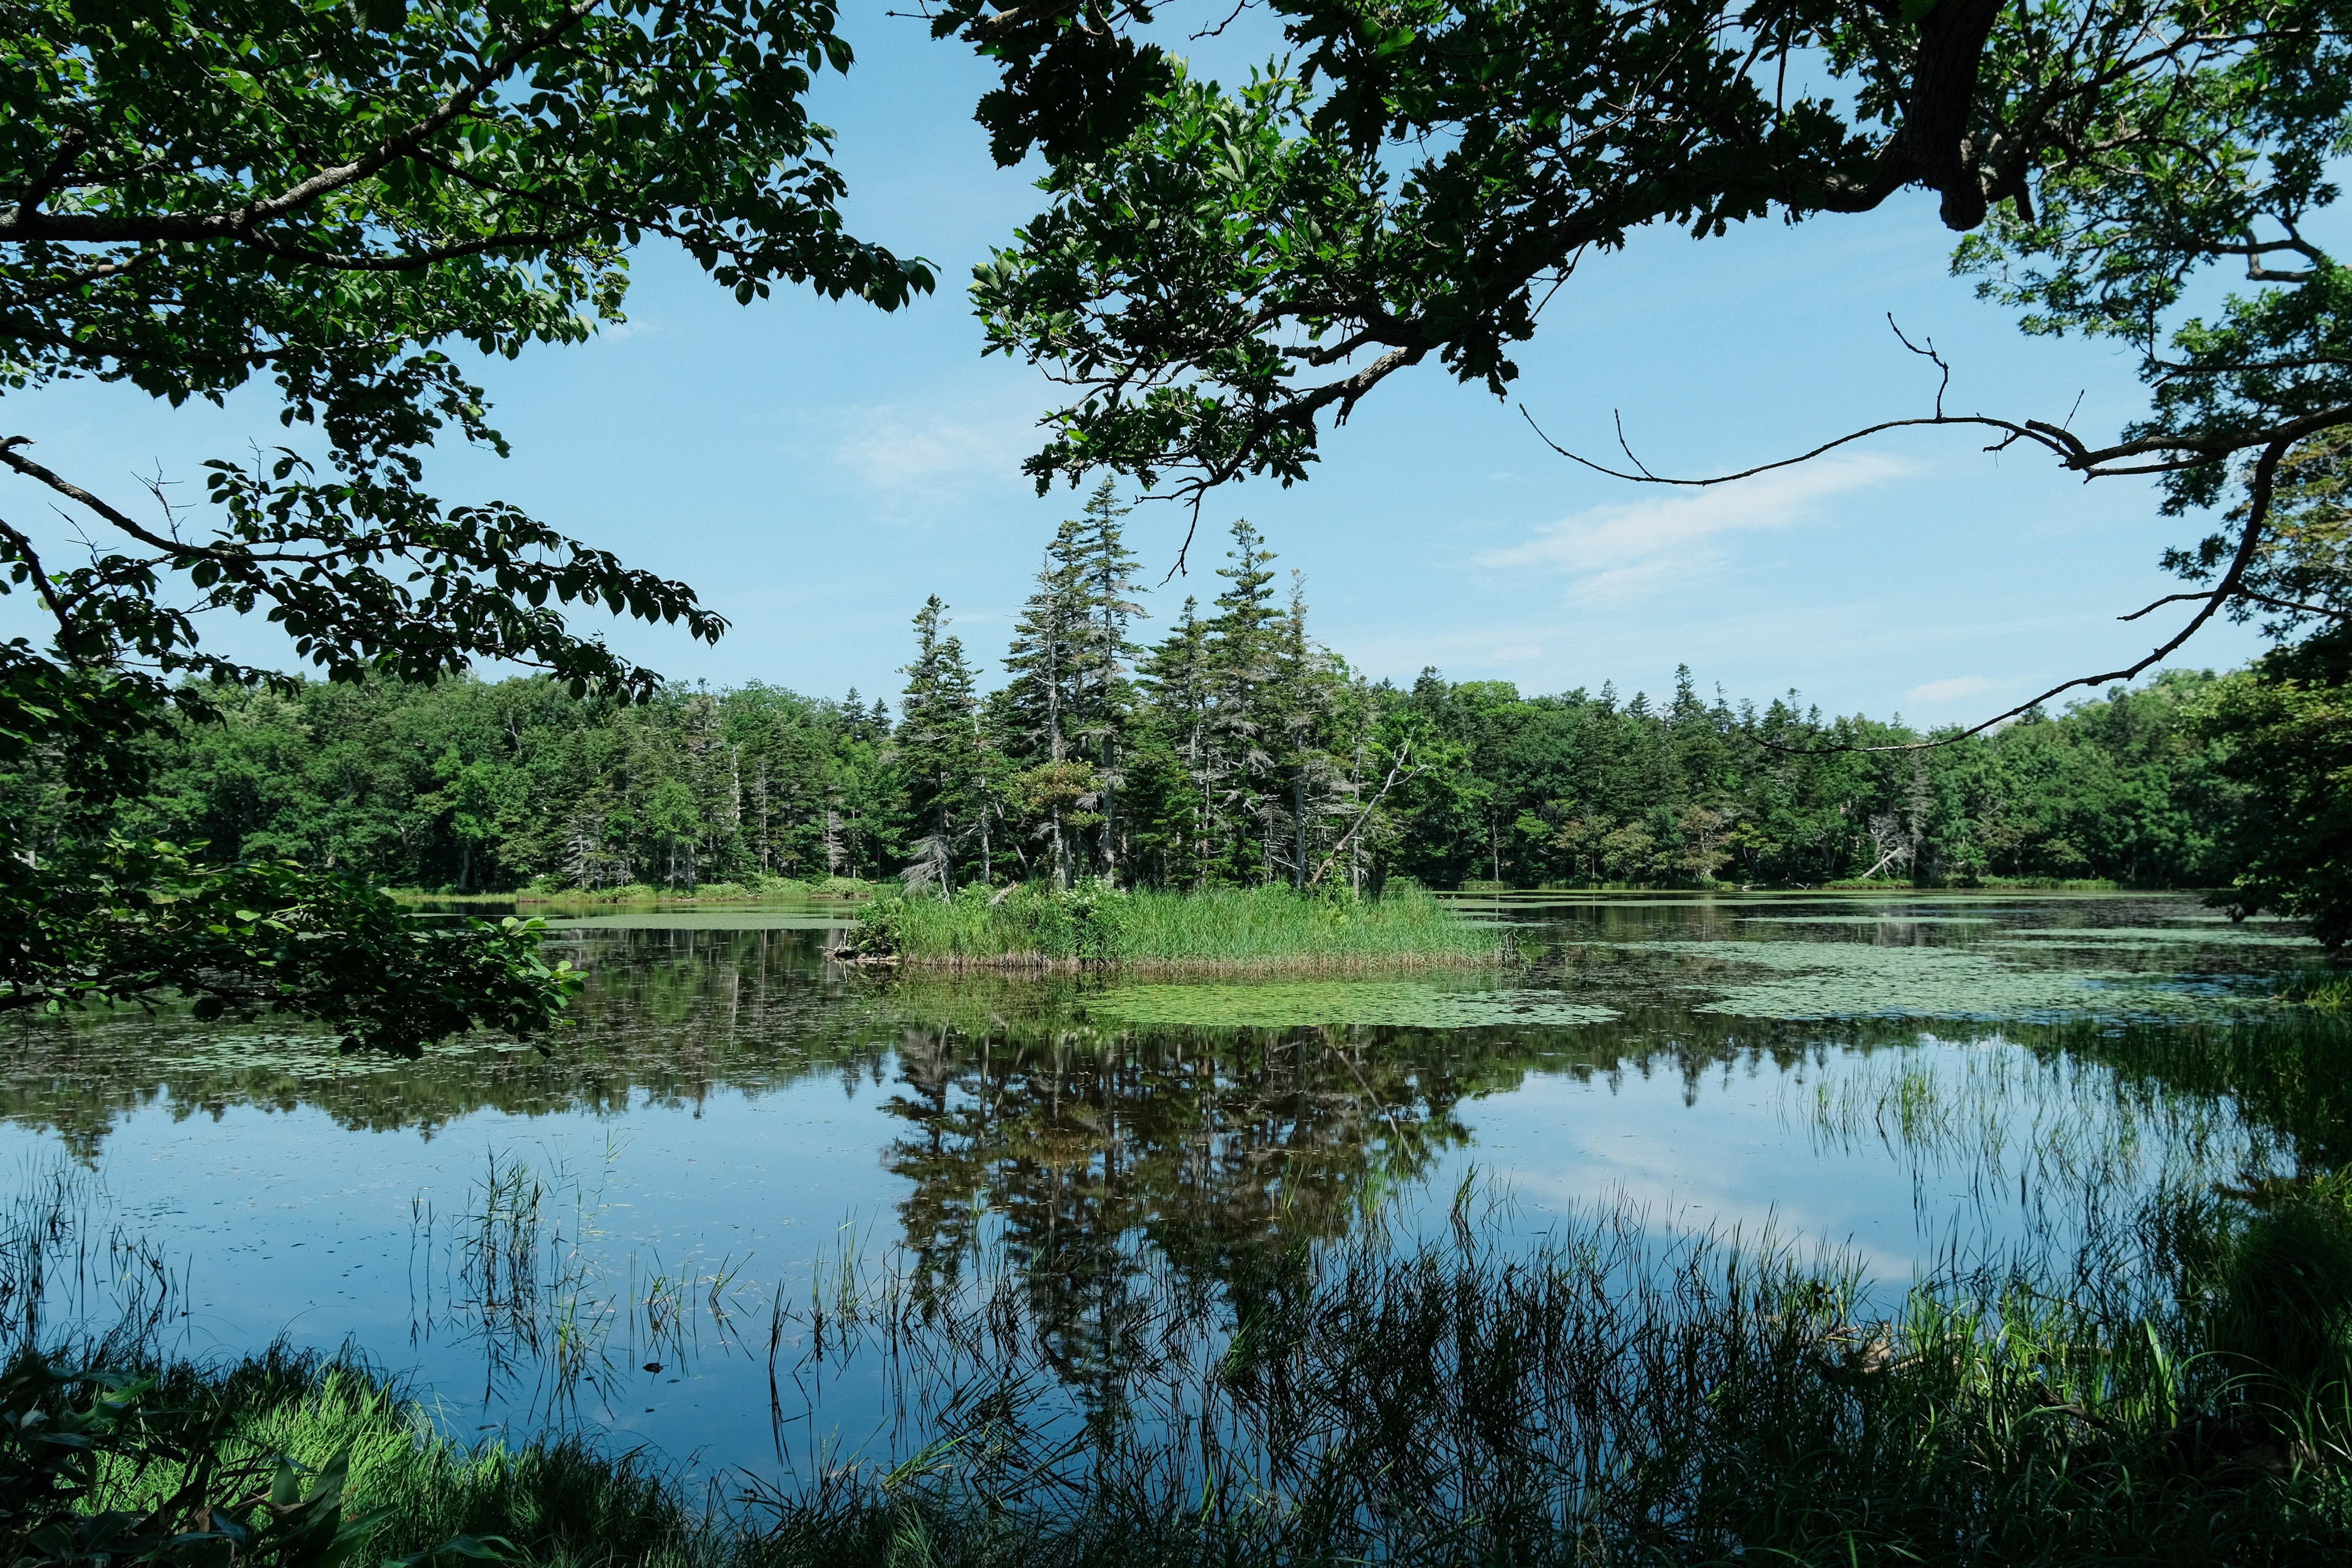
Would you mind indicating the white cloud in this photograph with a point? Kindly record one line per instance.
(912, 455)
(1935, 693)
(1636, 550)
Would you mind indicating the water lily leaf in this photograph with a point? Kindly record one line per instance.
(1405, 1004)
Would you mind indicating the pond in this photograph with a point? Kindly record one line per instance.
(712, 1216)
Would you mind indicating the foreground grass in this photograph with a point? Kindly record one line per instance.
(1255, 929)
(1602, 1398)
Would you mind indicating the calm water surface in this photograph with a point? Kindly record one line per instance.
(604, 1233)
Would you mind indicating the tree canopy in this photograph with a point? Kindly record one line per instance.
(1236, 269)
(1225, 747)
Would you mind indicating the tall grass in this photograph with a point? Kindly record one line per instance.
(2322, 987)
(1264, 928)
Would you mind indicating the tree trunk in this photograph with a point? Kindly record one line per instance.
(1298, 827)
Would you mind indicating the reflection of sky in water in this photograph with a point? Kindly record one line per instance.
(294, 1223)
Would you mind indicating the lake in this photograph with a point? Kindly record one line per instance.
(716, 1216)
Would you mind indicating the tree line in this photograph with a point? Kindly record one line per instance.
(1233, 748)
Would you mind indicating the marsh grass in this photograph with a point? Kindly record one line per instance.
(1607, 1396)
(2323, 988)
(1219, 930)
(1605, 1391)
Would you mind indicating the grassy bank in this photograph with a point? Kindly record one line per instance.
(1608, 1396)
(1254, 929)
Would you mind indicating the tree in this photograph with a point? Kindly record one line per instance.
(938, 753)
(192, 197)
(2285, 727)
(1102, 655)
(1040, 704)
(1241, 653)
(1233, 270)
(1177, 676)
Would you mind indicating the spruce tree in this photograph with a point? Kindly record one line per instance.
(1242, 667)
(1041, 700)
(1103, 696)
(937, 750)
(1178, 675)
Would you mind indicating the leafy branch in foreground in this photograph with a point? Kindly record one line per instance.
(1242, 268)
(195, 198)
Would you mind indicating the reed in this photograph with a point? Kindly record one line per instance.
(1255, 929)
(1610, 1393)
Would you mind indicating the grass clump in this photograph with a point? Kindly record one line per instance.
(1264, 928)
(298, 1462)
(2323, 988)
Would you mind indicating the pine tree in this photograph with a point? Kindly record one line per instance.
(1101, 656)
(1242, 666)
(937, 751)
(1179, 676)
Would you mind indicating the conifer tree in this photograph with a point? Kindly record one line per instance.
(1242, 666)
(937, 751)
(1041, 701)
(1179, 676)
(1102, 654)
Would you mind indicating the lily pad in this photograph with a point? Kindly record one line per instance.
(2201, 935)
(1859, 979)
(1889, 919)
(1401, 1003)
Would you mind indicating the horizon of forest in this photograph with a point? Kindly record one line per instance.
(1237, 749)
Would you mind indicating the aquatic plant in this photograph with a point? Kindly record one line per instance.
(2284, 1310)
(1861, 979)
(1039, 926)
(1616, 1393)
(2323, 988)
(1405, 1004)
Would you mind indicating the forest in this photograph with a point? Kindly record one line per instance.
(1230, 750)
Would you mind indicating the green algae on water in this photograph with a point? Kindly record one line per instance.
(2202, 936)
(1858, 980)
(1403, 1003)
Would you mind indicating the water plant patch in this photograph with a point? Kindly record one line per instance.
(1854, 979)
(1405, 1004)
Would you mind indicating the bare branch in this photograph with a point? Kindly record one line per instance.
(2261, 487)
(1927, 353)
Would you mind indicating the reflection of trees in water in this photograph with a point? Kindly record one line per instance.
(1208, 1144)
(1098, 1162)
(668, 1017)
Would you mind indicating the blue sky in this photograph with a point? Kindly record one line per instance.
(816, 468)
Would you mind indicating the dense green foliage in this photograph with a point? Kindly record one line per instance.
(196, 198)
(2284, 730)
(1224, 274)
(1236, 751)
